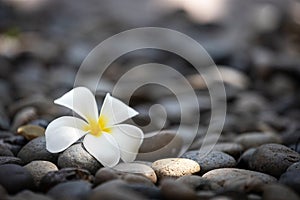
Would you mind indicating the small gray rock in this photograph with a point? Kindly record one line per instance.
(137, 179)
(294, 167)
(4, 151)
(15, 178)
(232, 149)
(213, 160)
(243, 161)
(10, 160)
(197, 183)
(278, 192)
(28, 195)
(291, 179)
(238, 179)
(36, 150)
(253, 139)
(105, 174)
(75, 190)
(40, 168)
(273, 159)
(170, 189)
(77, 156)
(175, 167)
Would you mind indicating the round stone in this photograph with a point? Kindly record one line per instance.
(294, 167)
(273, 159)
(40, 168)
(105, 174)
(238, 179)
(76, 156)
(291, 179)
(15, 178)
(232, 149)
(137, 168)
(213, 160)
(163, 144)
(278, 192)
(36, 150)
(29, 195)
(4, 151)
(75, 190)
(137, 179)
(249, 140)
(10, 160)
(31, 131)
(197, 183)
(175, 167)
(243, 161)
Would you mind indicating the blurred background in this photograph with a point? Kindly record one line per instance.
(256, 45)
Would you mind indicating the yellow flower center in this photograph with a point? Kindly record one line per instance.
(97, 127)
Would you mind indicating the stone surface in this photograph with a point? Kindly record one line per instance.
(63, 175)
(4, 151)
(40, 168)
(170, 189)
(75, 190)
(278, 192)
(137, 179)
(232, 149)
(31, 131)
(197, 183)
(273, 159)
(254, 139)
(10, 160)
(36, 150)
(291, 179)
(28, 195)
(15, 178)
(213, 160)
(175, 167)
(243, 161)
(137, 168)
(105, 174)
(157, 145)
(77, 156)
(238, 179)
(294, 167)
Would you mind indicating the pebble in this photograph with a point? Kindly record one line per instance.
(213, 160)
(293, 167)
(162, 144)
(170, 189)
(238, 179)
(72, 190)
(137, 168)
(105, 174)
(15, 178)
(29, 195)
(150, 192)
(23, 116)
(197, 183)
(254, 139)
(76, 156)
(243, 161)
(10, 160)
(53, 178)
(291, 179)
(31, 131)
(273, 159)
(175, 167)
(137, 179)
(40, 168)
(4, 151)
(278, 192)
(232, 149)
(36, 150)
(15, 143)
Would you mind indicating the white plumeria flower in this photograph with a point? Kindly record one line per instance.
(104, 137)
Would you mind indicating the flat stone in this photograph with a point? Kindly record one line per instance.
(31, 131)
(53, 178)
(291, 179)
(175, 167)
(254, 139)
(76, 156)
(137, 168)
(40, 168)
(273, 159)
(213, 160)
(170, 189)
(238, 179)
(278, 192)
(36, 150)
(15, 178)
(75, 190)
(157, 145)
(10, 160)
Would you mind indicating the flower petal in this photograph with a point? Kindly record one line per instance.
(129, 139)
(82, 101)
(104, 149)
(63, 132)
(116, 111)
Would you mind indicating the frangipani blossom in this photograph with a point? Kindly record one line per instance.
(104, 137)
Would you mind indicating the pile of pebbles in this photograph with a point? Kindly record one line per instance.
(256, 156)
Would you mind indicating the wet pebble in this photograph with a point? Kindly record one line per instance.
(31, 131)
(253, 139)
(15, 178)
(72, 190)
(63, 175)
(175, 167)
(77, 156)
(273, 159)
(213, 160)
(40, 168)
(137, 168)
(238, 179)
(36, 150)
(170, 189)
(278, 192)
